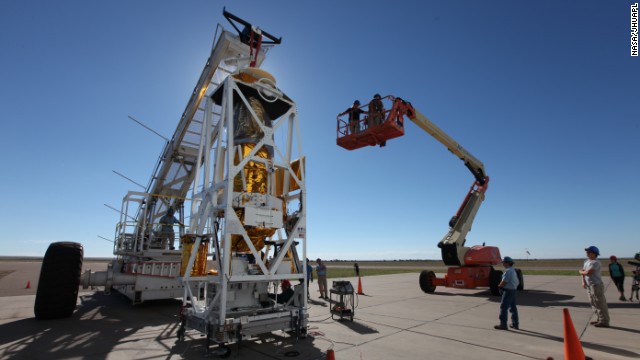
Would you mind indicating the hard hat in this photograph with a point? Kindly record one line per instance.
(507, 259)
(170, 211)
(376, 96)
(285, 283)
(593, 249)
(357, 102)
(613, 258)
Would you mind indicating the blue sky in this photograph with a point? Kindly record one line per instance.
(544, 93)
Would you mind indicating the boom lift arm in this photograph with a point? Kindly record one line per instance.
(469, 267)
(368, 133)
(474, 165)
(452, 244)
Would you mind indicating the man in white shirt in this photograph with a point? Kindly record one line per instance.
(592, 281)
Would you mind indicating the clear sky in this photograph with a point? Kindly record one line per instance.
(545, 93)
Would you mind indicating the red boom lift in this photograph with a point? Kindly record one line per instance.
(469, 267)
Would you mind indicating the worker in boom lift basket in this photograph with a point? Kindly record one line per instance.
(376, 111)
(354, 117)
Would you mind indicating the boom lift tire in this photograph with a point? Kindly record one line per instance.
(59, 282)
(520, 279)
(426, 281)
(495, 276)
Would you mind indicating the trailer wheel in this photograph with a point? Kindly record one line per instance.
(223, 351)
(495, 276)
(426, 281)
(57, 292)
(520, 279)
(181, 332)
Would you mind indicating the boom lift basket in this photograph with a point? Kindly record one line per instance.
(367, 132)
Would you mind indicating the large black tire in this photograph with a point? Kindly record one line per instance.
(426, 281)
(59, 281)
(520, 279)
(495, 276)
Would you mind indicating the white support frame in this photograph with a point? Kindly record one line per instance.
(206, 209)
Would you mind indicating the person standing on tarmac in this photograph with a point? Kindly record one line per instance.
(321, 271)
(309, 276)
(617, 275)
(508, 288)
(592, 281)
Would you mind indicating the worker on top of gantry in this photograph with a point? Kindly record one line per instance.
(250, 35)
(167, 235)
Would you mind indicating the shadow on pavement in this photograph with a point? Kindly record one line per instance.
(358, 327)
(317, 302)
(99, 324)
(542, 298)
(537, 298)
(276, 345)
(108, 326)
(585, 345)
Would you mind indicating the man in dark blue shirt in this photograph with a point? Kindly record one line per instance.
(508, 287)
(354, 116)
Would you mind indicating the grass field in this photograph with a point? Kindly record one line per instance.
(335, 273)
(344, 268)
(568, 267)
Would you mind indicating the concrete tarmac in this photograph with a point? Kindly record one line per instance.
(394, 320)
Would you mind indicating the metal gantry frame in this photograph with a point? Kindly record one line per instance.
(233, 303)
(242, 196)
(136, 248)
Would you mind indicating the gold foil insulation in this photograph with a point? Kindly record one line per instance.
(200, 263)
(255, 173)
(256, 177)
(247, 132)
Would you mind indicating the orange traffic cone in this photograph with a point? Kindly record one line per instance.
(28, 285)
(331, 355)
(360, 286)
(572, 346)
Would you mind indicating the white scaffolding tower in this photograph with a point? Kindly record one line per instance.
(251, 205)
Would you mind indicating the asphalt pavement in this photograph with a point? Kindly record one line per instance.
(394, 319)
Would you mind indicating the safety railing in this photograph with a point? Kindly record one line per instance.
(345, 127)
(130, 238)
